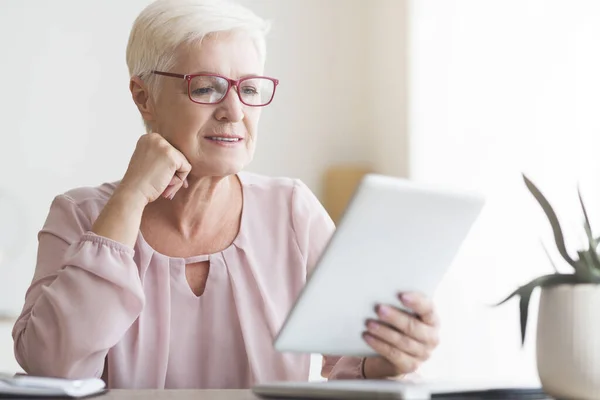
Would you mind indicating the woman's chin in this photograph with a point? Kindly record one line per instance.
(219, 168)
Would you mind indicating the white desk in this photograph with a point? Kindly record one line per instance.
(178, 395)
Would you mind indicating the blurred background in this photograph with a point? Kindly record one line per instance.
(462, 93)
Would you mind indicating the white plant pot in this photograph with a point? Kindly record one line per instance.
(568, 341)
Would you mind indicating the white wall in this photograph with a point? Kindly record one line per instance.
(386, 125)
(68, 119)
(498, 88)
(316, 48)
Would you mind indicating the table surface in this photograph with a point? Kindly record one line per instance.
(181, 394)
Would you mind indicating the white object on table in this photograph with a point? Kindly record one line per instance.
(395, 236)
(24, 385)
(343, 389)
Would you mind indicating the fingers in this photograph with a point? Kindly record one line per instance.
(177, 182)
(402, 339)
(179, 179)
(404, 362)
(399, 340)
(183, 169)
(408, 325)
(421, 305)
(181, 175)
(172, 188)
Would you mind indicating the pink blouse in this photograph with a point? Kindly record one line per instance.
(98, 308)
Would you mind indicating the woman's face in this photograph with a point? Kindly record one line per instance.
(200, 131)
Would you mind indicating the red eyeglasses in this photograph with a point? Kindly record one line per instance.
(253, 91)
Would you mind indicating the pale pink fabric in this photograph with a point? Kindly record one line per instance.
(99, 308)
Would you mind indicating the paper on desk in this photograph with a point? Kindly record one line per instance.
(29, 386)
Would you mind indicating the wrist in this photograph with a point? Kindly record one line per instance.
(370, 368)
(363, 361)
(127, 197)
(121, 217)
(367, 368)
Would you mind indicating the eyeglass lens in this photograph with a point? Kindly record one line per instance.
(212, 89)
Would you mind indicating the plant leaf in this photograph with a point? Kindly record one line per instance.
(510, 296)
(549, 258)
(586, 260)
(590, 266)
(524, 308)
(543, 281)
(525, 291)
(552, 218)
(587, 225)
(595, 262)
(593, 256)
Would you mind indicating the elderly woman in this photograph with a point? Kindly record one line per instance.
(180, 274)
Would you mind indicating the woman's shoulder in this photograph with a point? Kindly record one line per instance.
(280, 195)
(74, 211)
(275, 188)
(266, 183)
(89, 199)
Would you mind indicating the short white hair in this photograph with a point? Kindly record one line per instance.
(165, 25)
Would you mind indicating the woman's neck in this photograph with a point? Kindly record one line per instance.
(203, 207)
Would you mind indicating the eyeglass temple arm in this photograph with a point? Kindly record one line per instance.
(170, 74)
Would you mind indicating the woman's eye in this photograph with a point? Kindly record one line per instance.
(249, 90)
(204, 90)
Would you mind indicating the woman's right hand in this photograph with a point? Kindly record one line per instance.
(156, 168)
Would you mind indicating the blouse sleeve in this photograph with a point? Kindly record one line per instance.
(314, 228)
(85, 293)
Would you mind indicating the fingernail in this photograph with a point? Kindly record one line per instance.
(185, 183)
(406, 298)
(372, 326)
(367, 337)
(384, 310)
(171, 197)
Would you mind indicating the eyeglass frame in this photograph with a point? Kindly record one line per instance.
(230, 83)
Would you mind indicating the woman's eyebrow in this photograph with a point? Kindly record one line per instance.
(249, 75)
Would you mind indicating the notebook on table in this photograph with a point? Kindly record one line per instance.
(343, 389)
(396, 390)
(27, 386)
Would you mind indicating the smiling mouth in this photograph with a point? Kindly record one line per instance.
(224, 139)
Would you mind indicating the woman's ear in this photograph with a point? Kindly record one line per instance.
(142, 99)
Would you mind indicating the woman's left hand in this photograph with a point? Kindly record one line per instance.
(403, 341)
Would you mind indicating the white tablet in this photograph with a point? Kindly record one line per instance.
(395, 236)
(343, 389)
(400, 390)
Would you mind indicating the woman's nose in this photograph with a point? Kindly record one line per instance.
(231, 108)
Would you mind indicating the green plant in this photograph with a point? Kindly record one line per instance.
(586, 267)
